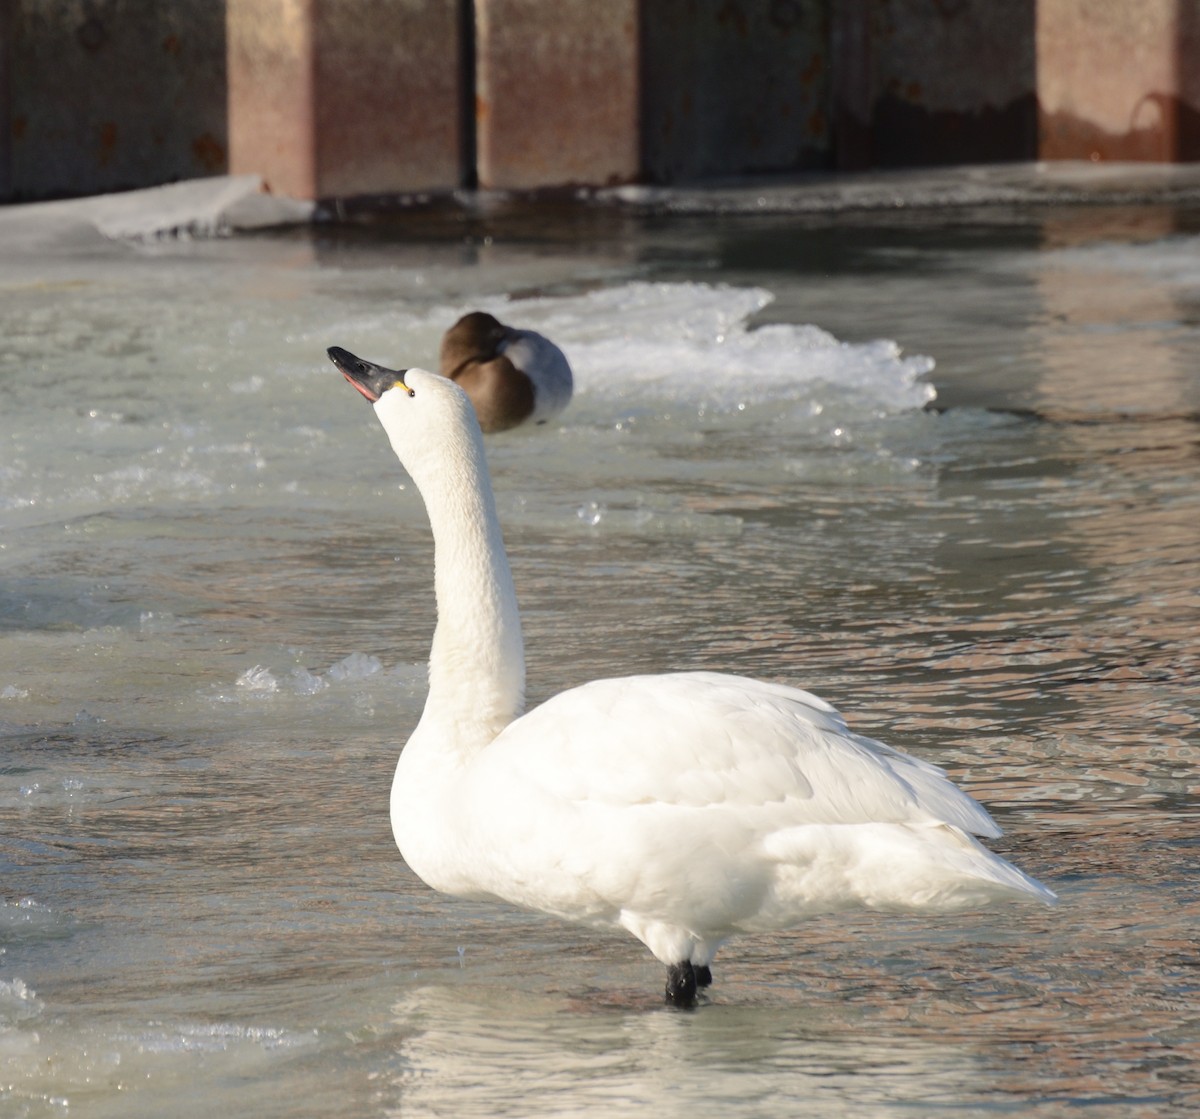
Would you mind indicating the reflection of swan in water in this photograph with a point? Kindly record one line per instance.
(683, 808)
(466, 1051)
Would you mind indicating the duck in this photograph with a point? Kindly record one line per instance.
(683, 808)
(512, 376)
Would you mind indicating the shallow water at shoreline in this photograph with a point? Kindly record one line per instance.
(941, 472)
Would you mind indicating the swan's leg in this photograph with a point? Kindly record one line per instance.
(681, 984)
(703, 975)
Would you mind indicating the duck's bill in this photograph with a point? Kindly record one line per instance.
(370, 379)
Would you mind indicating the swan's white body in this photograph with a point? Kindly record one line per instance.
(683, 808)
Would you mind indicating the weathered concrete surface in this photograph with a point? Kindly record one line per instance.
(110, 94)
(734, 87)
(339, 98)
(1119, 80)
(272, 93)
(556, 93)
(390, 95)
(918, 83)
(362, 98)
(851, 84)
(946, 82)
(6, 114)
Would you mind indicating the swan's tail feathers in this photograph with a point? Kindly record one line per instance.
(902, 868)
(1013, 881)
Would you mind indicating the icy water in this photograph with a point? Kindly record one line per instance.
(943, 471)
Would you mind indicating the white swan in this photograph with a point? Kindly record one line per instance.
(684, 807)
(512, 376)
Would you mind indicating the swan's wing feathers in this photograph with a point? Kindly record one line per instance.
(706, 740)
(940, 798)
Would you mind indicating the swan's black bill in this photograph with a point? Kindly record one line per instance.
(370, 379)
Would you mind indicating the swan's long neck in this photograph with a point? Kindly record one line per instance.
(477, 663)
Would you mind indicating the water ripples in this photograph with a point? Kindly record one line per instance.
(211, 654)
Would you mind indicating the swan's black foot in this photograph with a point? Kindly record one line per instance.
(681, 984)
(703, 975)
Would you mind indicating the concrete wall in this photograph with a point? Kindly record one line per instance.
(331, 98)
(108, 94)
(556, 92)
(732, 88)
(341, 98)
(949, 82)
(1119, 80)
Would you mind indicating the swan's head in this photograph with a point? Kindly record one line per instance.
(427, 417)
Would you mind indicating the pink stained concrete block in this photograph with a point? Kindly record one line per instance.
(556, 92)
(390, 94)
(343, 98)
(1118, 80)
(271, 93)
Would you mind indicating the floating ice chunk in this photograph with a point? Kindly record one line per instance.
(17, 1001)
(591, 513)
(156, 621)
(11, 691)
(26, 919)
(304, 682)
(357, 666)
(297, 680)
(258, 679)
(215, 1038)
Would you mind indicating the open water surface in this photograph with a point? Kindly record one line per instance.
(942, 470)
